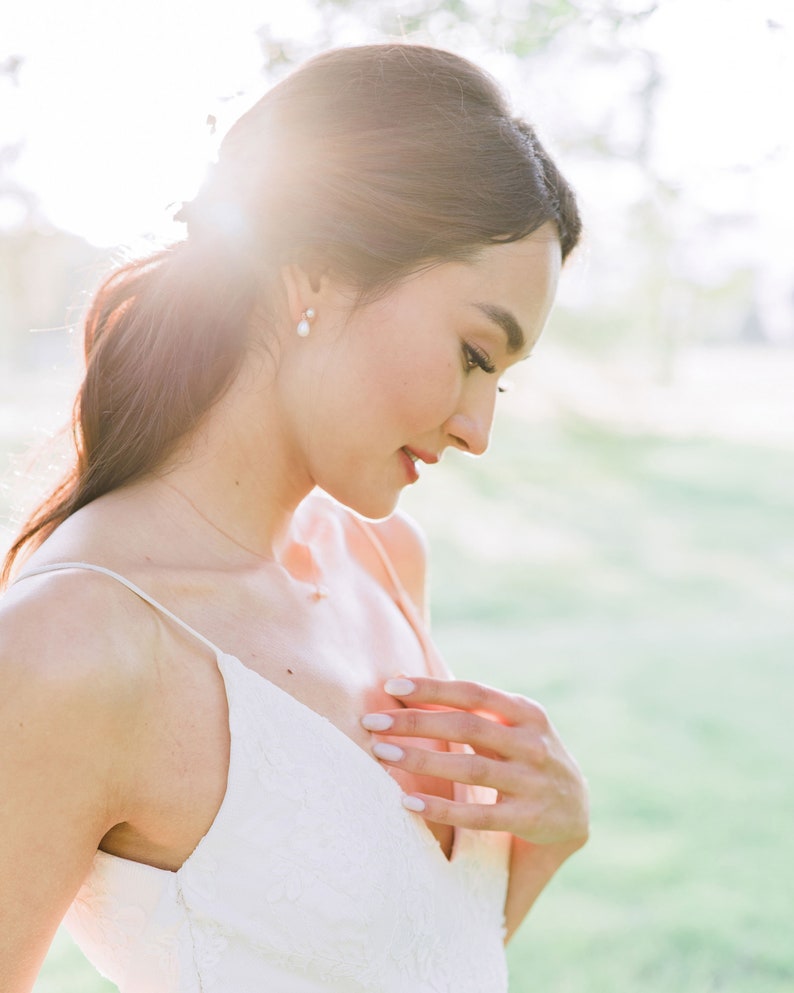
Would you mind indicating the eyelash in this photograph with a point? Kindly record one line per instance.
(477, 359)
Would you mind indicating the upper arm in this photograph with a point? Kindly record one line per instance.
(64, 716)
(406, 546)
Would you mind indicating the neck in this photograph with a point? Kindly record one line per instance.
(238, 471)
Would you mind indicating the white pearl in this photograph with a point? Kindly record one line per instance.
(310, 313)
(303, 328)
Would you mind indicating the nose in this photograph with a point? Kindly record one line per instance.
(469, 428)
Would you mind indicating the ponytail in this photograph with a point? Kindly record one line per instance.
(164, 337)
(367, 162)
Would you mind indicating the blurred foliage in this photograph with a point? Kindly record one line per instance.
(45, 274)
(659, 269)
(648, 287)
(514, 26)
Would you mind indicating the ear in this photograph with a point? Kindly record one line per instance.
(299, 289)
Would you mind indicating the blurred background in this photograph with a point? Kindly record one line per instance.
(625, 552)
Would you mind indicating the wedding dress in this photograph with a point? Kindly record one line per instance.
(312, 876)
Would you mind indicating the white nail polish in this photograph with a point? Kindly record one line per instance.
(399, 687)
(392, 753)
(377, 722)
(413, 803)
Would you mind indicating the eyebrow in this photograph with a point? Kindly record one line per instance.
(516, 340)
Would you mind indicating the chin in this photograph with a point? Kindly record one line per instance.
(372, 506)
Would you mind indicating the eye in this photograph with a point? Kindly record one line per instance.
(475, 358)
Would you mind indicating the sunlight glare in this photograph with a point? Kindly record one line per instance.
(113, 102)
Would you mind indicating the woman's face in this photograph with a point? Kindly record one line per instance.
(376, 391)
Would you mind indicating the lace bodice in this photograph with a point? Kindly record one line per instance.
(312, 877)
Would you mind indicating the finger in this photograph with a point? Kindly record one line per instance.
(467, 695)
(531, 825)
(462, 726)
(475, 816)
(475, 770)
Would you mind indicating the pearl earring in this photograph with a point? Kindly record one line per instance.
(304, 324)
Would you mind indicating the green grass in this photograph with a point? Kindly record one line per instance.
(67, 971)
(641, 587)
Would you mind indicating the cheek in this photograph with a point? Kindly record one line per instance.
(420, 395)
(397, 377)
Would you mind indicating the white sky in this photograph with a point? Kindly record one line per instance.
(113, 99)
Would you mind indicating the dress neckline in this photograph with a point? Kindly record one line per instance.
(321, 721)
(331, 733)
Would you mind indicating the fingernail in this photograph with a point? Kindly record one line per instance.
(377, 722)
(386, 751)
(399, 687)
(413, 803)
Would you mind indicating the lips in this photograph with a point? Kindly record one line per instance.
(417, 455)
(410, 458)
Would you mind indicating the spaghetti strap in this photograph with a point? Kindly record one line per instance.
(435, 663)
(90, 567)
(383, 555)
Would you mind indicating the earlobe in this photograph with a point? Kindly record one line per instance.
(298, 289)
(306, 287)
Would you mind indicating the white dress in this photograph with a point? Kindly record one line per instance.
(312, 877)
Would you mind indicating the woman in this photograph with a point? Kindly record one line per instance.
(236, 761)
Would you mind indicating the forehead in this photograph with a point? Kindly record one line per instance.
(531, 264)
(503, 285)
(514, 283)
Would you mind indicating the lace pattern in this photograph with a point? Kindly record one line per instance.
(312, 874)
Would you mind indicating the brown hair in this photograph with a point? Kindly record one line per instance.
(369, 162)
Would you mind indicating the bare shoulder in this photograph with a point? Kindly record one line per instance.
(70, 690)
(401, 537)
(70, 644)
(70, 625)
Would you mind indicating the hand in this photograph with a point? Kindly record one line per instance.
(541, 795)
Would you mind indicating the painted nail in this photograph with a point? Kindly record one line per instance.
(377, 722)
(386, 751)
(399, 687)
(413, 803)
